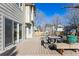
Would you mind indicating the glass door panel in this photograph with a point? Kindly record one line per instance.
(8, 32)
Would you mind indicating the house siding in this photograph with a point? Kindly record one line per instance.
(21, 15)
(1, 32)
(12, 12)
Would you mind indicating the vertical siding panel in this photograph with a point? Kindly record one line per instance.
(1, 32)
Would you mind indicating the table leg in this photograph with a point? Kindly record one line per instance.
(76, 50)
(61, 51)
(56, 41)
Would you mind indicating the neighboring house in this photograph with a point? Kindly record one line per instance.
(54, 29)
(16, 23)
(35, 29)
(60, 28)
(50, 28)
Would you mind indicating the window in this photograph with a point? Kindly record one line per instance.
(20, 31)
(8, 32)
(20, 6)
(29, 30)
(15, 32)
(17, 4)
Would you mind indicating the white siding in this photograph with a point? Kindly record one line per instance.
(28, 14)
(32, 14)
(1, 32)
(13, 12)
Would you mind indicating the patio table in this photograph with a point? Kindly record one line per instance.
(53, 39)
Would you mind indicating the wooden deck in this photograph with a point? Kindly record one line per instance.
(67, 46)
(61, 46)
(32, 47)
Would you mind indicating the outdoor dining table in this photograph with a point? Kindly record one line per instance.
(53, 39)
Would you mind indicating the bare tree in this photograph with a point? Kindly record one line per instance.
(73, 16)
(40, 18)
(56, 20)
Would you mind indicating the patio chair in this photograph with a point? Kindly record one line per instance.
(44, 41)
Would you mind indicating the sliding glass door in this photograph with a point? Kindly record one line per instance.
(13, 32)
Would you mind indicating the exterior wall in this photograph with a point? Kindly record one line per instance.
(1, 32)
(21, 15)
(60, 28)
(29, 18)
(14, 13)
(28, 14)
(32, 14)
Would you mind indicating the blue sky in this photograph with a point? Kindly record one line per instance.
(50, 9)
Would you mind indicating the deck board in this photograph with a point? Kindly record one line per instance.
(67, 46)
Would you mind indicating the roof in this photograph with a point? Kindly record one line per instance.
(29, 4)
(60, 26)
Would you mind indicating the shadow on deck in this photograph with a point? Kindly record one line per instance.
(10, 52)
